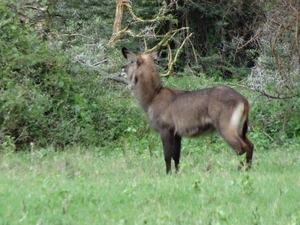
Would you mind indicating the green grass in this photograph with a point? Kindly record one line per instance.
(83, 186)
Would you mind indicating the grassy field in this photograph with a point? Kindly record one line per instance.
(83, 186)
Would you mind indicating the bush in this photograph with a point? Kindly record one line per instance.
(48, 98)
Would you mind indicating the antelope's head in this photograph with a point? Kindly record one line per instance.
(140, 65)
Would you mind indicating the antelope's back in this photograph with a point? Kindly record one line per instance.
(200, 111)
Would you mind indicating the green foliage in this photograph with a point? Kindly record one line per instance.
(46, 98)
(276, 73)
(219, 29)
(275, 120)
(91, 19)
(54, 89)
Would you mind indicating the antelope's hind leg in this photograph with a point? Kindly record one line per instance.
(249, 147)
(245, 146)
(240, 146)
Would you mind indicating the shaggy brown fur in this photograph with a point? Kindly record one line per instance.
(178, 113)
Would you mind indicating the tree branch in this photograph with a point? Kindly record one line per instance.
(170, 69)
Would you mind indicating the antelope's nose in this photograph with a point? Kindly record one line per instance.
(123, 73)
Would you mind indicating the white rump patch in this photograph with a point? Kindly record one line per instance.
(237, 119)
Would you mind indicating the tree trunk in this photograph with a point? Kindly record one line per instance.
(118, 22)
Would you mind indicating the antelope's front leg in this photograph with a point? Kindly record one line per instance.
(168, 142)
(176, 152)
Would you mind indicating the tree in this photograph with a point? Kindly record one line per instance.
(149, 30)
(277, 71)
(276, 74)
(116, 35)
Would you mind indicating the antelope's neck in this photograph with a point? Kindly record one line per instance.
(146, 91)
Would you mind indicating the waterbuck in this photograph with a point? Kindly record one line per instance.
(177, 113)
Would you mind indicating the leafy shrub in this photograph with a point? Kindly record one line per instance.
(51, 92)
(48, 98)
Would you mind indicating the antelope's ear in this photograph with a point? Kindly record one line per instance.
(129, 55)
(155, 56)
